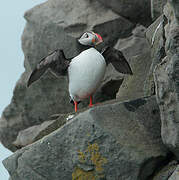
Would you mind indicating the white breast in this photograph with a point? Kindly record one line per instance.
(85, 73)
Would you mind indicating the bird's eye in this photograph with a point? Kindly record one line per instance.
(86, 35)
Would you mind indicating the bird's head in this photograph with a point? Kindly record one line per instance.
(90, 38)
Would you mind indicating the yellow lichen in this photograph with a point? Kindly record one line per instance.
(92, 156)
(80, 174)
(81, 156)
(92, 147)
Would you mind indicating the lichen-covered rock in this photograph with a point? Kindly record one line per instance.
(135, 10)
(112, 141)
(51, 25)
(137, 51)
(166, 77)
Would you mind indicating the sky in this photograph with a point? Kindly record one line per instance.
(11, 56)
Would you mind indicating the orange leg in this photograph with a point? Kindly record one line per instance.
(76, 106)
(90, 104)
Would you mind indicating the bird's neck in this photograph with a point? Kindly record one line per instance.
(99, 47)
(81, 47)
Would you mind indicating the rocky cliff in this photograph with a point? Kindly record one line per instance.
(134, 133)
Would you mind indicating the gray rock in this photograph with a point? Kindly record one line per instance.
(110, 85)
(111, 141)
(51, 25)
(133, 45)
(167, 93)
(156, 40)
(165, 172)
(157, 8)
(175, 6)
(135, 10)
(166, 77)
(175, 175)
(31, 106)
(137, 51)
(159, 45)
(170, 28)
(33, 133)
(151, 29)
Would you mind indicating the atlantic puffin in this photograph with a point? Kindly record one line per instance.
(86, 70)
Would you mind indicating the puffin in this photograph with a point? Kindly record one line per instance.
(86, 70)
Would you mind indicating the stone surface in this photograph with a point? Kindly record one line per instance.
(156, 40)
(175, 175)
(132, 45)
(110, 141)
(51, 25)
(175, 6)
(167, 92)
(134, 10)
(157, 8)
(166, 76)
(137, 51)
(33, 133)
(165, 172)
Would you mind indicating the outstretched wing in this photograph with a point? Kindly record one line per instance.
(56, 61)
(117, 59)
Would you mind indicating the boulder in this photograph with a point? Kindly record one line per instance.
(155, 35)
(33, 133)
(110, 141)
(175, 175)
(137, 51)
(134, 10)
(51, 25)
(166, 77)
(175, 7)
(163, 173)
(167, 93)
(157, 8)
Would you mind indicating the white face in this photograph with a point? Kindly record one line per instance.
(89, 38)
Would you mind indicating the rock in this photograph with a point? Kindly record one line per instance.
(34, 133)
(96, 144)
(134, 10)
(132, 45)
(175, 7)
(165, 172)
(51, 25)
(175, 175)
(157, 8)
(166, 77)
(31, 106)
(137, 51)
(157, 41)
(167, 92)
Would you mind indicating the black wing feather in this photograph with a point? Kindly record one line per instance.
(56, 61)
(117, 59)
